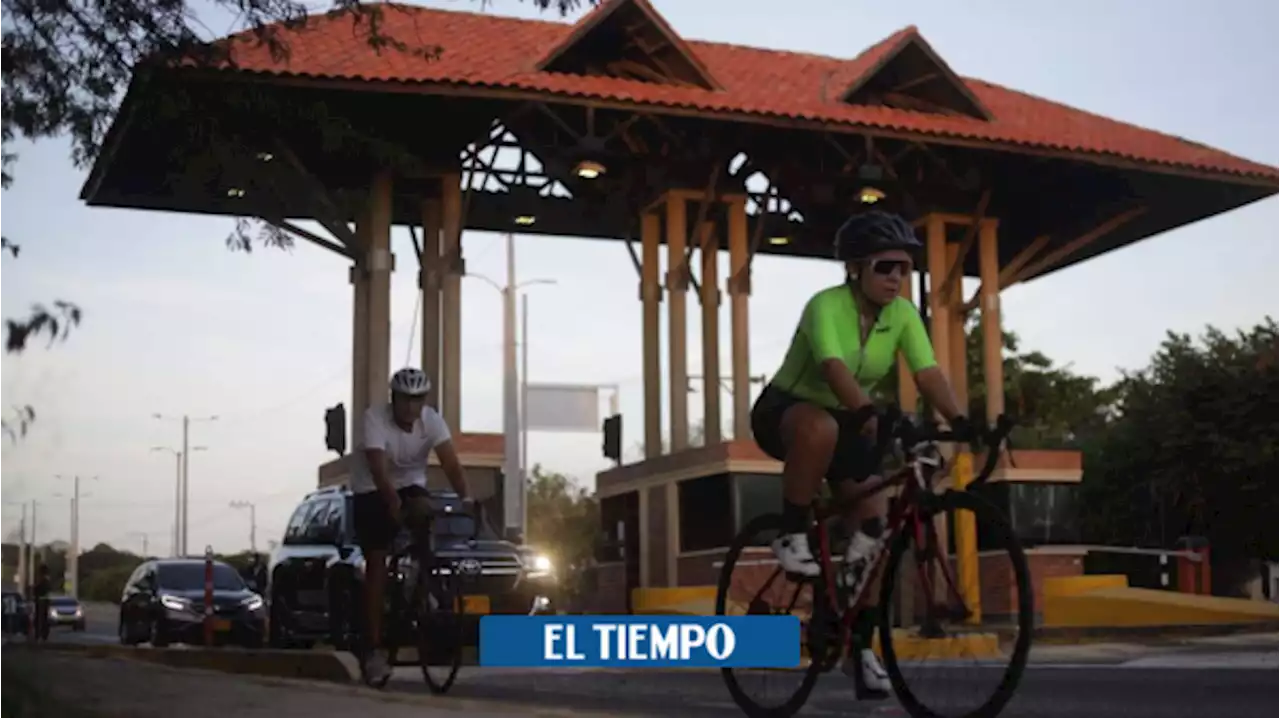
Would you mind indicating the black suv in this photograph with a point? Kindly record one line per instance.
(315, 576)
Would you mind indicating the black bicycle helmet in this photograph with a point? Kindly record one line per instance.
(867, 233)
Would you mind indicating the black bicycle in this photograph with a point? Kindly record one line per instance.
(752, 582)
(424, 597)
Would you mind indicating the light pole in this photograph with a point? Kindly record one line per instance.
(513, 485)
(142, 535)
(178, 456)
(186, 475)
(253, 522)
(73, 563)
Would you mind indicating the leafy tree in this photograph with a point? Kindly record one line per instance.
(564, 519)
(1054, 407)
(1192, 450)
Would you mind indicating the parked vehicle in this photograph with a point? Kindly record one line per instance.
(316, 575)
(163, 603)
(15, 613)
(66, 611)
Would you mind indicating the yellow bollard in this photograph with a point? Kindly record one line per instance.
(967, 541)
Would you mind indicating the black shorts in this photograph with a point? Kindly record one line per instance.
(855, 456)
(374, 529)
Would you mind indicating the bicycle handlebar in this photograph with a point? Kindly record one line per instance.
(910, 434)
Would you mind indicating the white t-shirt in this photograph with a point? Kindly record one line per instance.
(406, 451)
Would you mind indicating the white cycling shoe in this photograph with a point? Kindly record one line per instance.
(792, 552)
(870, 680)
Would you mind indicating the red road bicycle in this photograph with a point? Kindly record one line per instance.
(832, 610)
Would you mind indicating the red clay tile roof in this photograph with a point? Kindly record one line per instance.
(485, 51)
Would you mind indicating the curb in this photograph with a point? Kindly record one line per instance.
(1055, 635)
(325, 666)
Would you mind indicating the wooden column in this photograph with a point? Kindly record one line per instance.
(989, 299)
(672, 492)
(451, 301)
(939, 332)
(957, 346)
(429, 281)
(380, 264)
(359, 332)
(651, 298)
(739, 286)
(939, 308)
(677, 286)
(908, 393)
(710, 250)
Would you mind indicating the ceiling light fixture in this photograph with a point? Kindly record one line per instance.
(588, 169)
(525, 220)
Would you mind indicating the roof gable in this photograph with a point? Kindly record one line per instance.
(903, 72)
(628, 39)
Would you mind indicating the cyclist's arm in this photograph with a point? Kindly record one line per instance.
(452, 468)
(822, 328)
(374, 442)
(918, 352)
(442, 439)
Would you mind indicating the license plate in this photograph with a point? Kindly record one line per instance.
(221, 625)
(475, 605)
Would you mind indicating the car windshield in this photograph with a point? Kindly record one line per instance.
(190, 577)
(63, 601)
(453, 525)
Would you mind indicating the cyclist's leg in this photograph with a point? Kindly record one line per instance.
(856, 461)
(374, 531)
(802, 436)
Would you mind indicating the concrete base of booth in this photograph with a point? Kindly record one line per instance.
(1108, 601)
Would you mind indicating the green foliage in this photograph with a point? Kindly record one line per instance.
(564, 523)
(1192, 450)
(1055, 407)
(106, 584)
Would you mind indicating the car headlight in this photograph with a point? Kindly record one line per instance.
(53, 613)
(175, 603)
(79, 612)
(253, 603)
(542, 564)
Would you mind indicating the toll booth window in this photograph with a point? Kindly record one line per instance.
(706, 513)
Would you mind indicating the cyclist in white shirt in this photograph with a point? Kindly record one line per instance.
(390, 487)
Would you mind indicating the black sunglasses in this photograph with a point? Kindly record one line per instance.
(885, 267)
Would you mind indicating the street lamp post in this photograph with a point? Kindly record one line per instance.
(253, 522)
(73, 562)
(513, 484)
(178, 517)
(186, 475)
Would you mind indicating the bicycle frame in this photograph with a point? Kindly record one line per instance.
(904, 514)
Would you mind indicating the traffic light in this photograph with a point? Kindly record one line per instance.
(613, 438)
(335, 429)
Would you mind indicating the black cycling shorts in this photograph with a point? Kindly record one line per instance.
(855, 456)
(371, 521)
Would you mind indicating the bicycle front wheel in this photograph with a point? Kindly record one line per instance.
(945, 633)
(440, 635)
(753, 583)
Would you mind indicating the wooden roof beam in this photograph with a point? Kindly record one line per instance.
(957, 268)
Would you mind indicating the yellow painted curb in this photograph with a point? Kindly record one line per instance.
(1075, 585)
(681, 600)
(908, 647)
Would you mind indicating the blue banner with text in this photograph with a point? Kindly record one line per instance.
(640, 641)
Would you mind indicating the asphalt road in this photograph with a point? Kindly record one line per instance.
(1196, 682)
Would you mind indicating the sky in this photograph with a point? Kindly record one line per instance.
(175, 323)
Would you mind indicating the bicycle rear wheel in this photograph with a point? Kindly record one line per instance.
(752, 583)
(998, 647)
(439, 630)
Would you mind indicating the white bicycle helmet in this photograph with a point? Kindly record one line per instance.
(411, 382)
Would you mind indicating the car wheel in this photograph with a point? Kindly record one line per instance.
(159, 634)
(126, 639)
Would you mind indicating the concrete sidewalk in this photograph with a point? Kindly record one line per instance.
(106, 687)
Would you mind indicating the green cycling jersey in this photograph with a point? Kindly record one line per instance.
(830, 329)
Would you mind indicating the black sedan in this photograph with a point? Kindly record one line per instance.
(164, 602)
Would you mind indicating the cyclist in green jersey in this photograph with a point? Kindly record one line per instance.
(816, 414)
